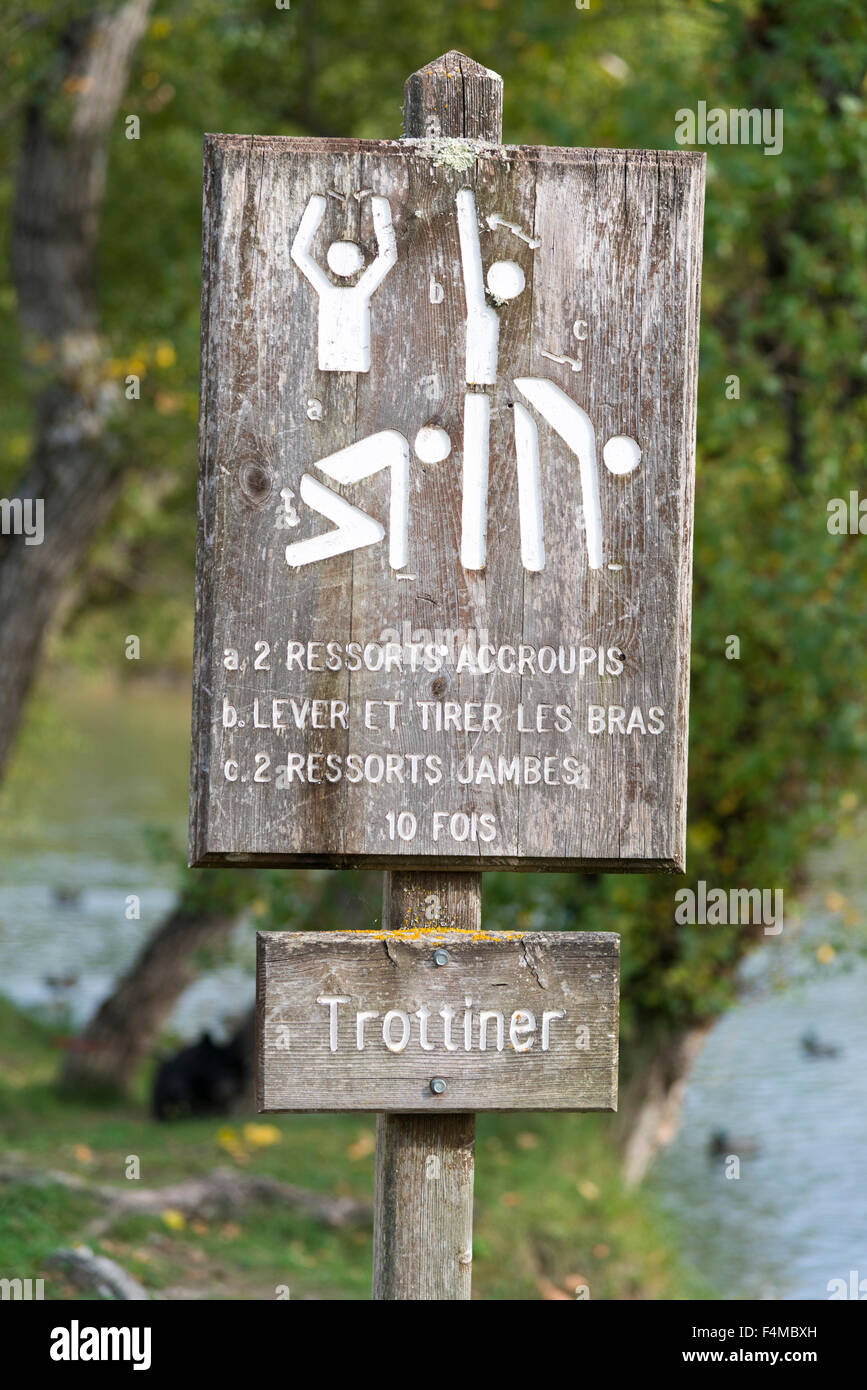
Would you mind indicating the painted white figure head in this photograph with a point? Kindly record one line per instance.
(344, 258)
(506, 279)
(621, 454)
(432, 444)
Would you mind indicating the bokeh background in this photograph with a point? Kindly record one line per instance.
(112, 953)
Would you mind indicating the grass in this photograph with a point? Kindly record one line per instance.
(551, 1212)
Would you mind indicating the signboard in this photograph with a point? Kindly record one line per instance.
(437, 1021)
(447, 447)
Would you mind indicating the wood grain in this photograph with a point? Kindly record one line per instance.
(453, 97)
(619, 251)
(513, 975)
(423, 1213)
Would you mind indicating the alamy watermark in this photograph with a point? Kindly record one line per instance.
(741, 126)
(77, 1343)
(852, 1288)
(701, 906)
(848, 516)
(23, 517)
(27, 1290)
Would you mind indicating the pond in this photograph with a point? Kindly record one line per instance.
(76, 845)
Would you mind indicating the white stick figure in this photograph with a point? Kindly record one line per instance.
(506, 280)
(344, 310)
(353, 527)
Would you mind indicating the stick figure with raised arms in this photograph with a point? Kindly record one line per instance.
(344, 310)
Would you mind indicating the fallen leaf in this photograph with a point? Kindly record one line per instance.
(363, 1146)
(261, 1135)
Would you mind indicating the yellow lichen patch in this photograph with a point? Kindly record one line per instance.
(434, 934)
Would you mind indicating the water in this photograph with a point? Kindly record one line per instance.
(75, 824)
(796, 1217)
(74, 817)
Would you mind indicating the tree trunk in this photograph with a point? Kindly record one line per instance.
(125, 1027)
(75, 472)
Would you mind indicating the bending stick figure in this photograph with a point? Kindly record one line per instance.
(344, 310)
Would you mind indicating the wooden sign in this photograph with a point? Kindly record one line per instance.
(422, 1021)
(447, 445)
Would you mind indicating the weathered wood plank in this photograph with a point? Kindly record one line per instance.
(579, 766)
(539, 1031)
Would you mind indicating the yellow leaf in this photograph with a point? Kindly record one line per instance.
(75, 86)
(261, 1135)
(589, 1191)
(41, 353)
(825, 953)
(364, 1145)
(174, 1219)
(164, 355)
(18, 447)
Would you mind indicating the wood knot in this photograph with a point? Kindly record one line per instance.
(256, 481)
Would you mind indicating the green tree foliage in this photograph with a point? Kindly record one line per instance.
(777, 735)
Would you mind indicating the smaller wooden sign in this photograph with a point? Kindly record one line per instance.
(429, 1021)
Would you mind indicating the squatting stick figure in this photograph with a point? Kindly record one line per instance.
(344, 310)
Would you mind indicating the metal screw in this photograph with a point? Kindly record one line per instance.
(441, 956)
(437, 1085)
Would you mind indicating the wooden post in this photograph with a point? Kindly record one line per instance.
(423, 1207)
(423, 1210)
